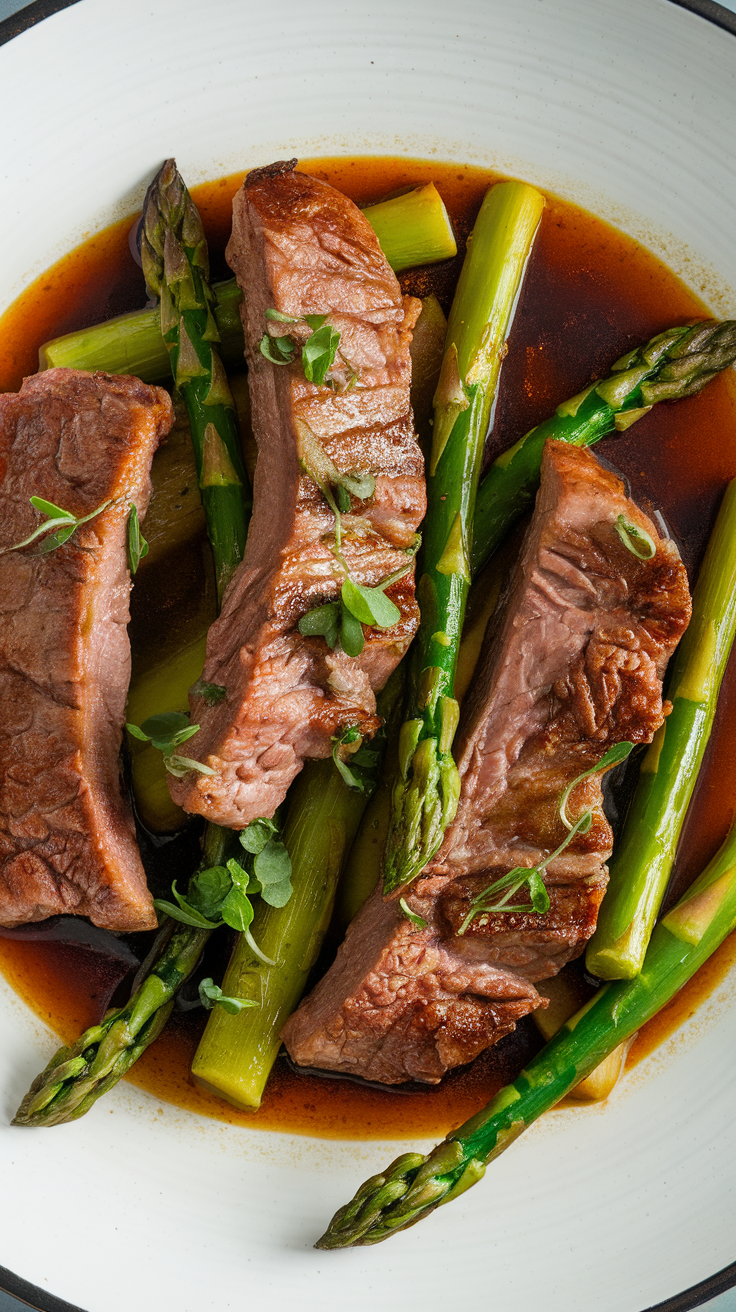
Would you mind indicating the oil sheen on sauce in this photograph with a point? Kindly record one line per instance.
(590, 295)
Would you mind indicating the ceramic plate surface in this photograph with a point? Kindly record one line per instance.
(627, 107)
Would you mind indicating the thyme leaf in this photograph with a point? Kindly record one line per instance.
(211, 995)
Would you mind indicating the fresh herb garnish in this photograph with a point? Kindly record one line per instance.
(318, 352)
(64, 523)
(417, 921)
(211, 693)
(360, 772)
(221, 895)
(635, 539)
(137, 545)
(271, 867)
(211, 995)
(613, 756)
(509, 884)
(166, 732)
(279, 350)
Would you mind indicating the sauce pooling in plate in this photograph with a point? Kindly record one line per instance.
(590, 295)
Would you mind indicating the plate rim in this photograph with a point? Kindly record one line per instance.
(32, 1295)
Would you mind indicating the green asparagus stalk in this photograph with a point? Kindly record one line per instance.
(426, 793)
(176, 269)
(412, 229)
(675, 364)
(80, 1074)
(132, 343)
(643, 861)
(236, 1052)
(415, 1184)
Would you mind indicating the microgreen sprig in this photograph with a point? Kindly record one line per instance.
(211, 995)
(64, 524)
(318, 352)
(211, 693)
(613, 756)
(166, 732)
(510, 883)
(222, 895)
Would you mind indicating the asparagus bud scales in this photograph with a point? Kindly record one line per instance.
(427, 789)
(674, 364)
(415, 1184)
(643, 861)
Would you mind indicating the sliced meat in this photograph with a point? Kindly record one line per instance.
(301, 248)
(572, 663)
(67, 839)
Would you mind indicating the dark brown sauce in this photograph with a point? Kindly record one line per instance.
(591, 294)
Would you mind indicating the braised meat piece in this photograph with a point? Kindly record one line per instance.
(300, 248)
(67, 839)
(572, 663)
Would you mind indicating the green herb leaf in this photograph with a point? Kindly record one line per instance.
(273, 864)
(52, 510)
(211, 693)
(318, 353)
(279, 350)
(185, 911)
(257, 834)
(211, 995)
(635, 539)
(181, 765)
(417, 921)
(613, 756)
(63, 521)
(279, 316)
(237, 909)
(137, 545)
(369, 605)
(315, 321)
(165, 732)
(207, 891)
(351, 633)
(322, 622)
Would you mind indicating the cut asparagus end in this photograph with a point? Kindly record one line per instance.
(413, 229)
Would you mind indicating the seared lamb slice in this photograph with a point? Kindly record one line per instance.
(301, 248)
(67, 838)
(572, 663)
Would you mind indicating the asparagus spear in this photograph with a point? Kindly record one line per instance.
(78, 1075)
(426, 793)
(643, 860)
(176, 269)
(412, 229)
(675, 364)
(236, 1052)
(415, 1184)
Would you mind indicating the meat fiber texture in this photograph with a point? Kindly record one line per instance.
(572, 663)
(301, 248)
(67, 838)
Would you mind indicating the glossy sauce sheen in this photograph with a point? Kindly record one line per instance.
(590, 295)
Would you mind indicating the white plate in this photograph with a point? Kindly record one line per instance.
(627, 107)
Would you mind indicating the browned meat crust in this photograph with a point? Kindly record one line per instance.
(67, 839)
(571, 664)
(300, 247)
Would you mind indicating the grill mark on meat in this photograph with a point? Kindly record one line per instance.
(572, 663)
(302, 248)
(67, 838)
